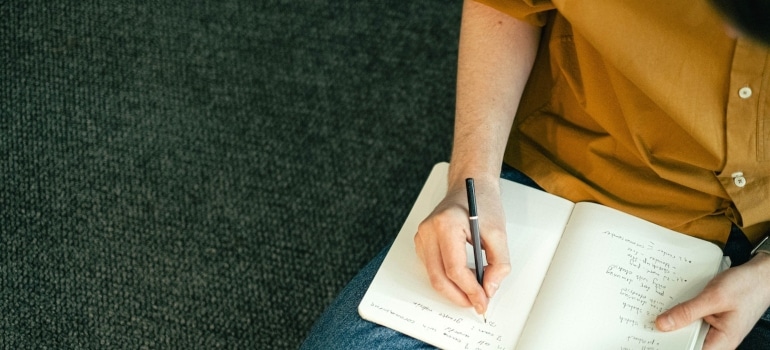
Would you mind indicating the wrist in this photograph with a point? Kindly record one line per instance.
(484, 184)
(486, 178)
(762, 261)
(761, 272)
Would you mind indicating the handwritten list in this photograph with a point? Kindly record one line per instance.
(642, 281)
(615, 274)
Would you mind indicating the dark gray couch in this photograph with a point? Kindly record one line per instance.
(207, 174)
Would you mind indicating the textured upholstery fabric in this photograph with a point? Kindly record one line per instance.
(207, 174)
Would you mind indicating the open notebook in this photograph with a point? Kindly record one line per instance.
(583, 276)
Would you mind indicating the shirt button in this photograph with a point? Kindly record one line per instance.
(739, 180)
(744, 92)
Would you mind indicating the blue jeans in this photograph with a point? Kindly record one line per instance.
(340, 326)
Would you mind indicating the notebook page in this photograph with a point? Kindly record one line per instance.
(611, 276)
(402, 298)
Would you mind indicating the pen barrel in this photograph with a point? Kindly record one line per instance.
(477, 256)
(471, 191)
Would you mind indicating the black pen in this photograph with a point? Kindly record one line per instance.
(475, 235)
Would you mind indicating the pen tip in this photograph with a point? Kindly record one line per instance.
(485, 318)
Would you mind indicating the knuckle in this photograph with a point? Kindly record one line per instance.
(432, 224)
(442, 286)
(455, 273)
(422, 228)
(437, 283)
(426, 222)
(443, 225)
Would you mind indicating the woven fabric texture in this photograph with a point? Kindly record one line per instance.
(207, 174)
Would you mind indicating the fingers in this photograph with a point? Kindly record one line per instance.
(458, 273)
(441, 245)
(717, 339)
(498, 261)
(728, 327)
(705, 304)
(731, 303)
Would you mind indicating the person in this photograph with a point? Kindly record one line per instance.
(657, 108)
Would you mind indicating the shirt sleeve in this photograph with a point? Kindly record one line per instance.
(531, 11)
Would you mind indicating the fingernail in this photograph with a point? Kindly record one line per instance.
(478, 308)
(666, 323)
(492, 289)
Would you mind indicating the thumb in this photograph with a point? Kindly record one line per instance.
(687, 312)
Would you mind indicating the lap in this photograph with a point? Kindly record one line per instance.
(340, 326)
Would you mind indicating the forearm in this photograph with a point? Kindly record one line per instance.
(495, 59)
(762, 264)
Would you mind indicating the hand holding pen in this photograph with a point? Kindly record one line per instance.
(442, 237)
(473, 221)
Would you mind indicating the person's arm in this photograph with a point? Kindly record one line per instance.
(731, 303)
(495, 59)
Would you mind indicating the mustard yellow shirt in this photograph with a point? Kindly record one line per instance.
(648, 107)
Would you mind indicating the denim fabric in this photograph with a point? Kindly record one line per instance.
(340, 326)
